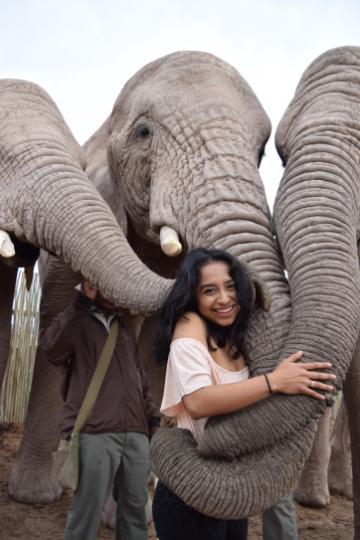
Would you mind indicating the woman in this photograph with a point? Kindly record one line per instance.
(203, 323)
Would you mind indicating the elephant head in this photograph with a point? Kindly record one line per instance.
(47, 201)
(181, 150)
(183, 144)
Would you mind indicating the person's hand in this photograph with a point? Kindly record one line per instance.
(88, 290)
(292, 377)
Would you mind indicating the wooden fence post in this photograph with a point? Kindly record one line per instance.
(15, 392)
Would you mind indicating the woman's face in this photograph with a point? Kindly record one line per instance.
(216, 294)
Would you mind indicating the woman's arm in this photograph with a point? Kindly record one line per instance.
(290, 377)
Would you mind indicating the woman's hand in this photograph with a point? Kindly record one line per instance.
(88, 289)
(291, 377)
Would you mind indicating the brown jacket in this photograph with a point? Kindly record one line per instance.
(75, 340)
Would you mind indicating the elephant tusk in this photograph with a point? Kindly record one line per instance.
(7, 248)
(169, 242)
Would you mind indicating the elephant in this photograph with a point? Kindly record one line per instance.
(47, 202)
(317, 217)
(181, 149)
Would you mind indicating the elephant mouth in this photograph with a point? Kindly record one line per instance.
(150, 253)
(169, 239)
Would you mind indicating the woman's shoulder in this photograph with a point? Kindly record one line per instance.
(190, 326)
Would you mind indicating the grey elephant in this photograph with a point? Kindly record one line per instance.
(317, 224)
(48, 202)
(181, 150)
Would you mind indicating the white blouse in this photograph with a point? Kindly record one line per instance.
(191, 367)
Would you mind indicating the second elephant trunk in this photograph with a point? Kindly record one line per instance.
(231, 473)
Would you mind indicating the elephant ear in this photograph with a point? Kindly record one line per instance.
(261, 294)
(97, 169)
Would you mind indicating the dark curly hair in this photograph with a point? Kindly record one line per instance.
(182, 300)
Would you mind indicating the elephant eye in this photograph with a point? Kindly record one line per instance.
(142, 131)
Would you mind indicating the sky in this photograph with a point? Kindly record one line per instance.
(82, 52)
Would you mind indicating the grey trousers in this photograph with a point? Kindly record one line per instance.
(101, 455)
(279, 521)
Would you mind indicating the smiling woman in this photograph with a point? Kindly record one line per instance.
(203, 324)
(216, 294)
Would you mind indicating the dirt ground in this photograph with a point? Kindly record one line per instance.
(46, 522)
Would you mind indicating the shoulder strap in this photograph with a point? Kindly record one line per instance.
(97, 378)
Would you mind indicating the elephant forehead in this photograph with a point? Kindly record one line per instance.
(157, 98)
(195, 78)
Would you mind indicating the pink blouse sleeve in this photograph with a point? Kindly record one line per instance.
(188, 369)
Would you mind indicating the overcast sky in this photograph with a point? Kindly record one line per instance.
(83, 51)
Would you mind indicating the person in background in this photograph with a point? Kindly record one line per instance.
(203, 322)
(115, 438)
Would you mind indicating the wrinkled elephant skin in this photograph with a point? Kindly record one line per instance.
(317, 223)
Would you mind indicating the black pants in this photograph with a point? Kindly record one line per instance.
(175, 520)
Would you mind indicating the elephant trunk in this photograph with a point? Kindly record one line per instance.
(48, 201)
(233, 468)
(92, 243)
(229, 489)
(317, 233)
(248, 460)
